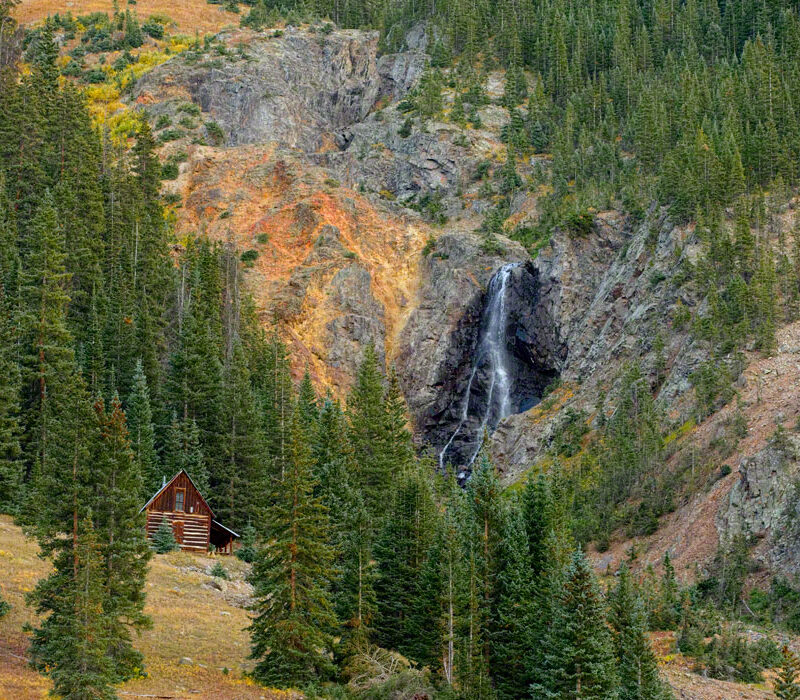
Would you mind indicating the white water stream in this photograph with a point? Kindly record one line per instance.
(492, 350)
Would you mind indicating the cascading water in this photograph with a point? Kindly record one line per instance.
(491, 354)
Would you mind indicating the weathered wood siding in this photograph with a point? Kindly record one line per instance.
(192, 525)
(195, 528)
(193, 503)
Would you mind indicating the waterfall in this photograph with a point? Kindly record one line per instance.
(491, 352)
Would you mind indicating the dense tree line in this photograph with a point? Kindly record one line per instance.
(702, 93)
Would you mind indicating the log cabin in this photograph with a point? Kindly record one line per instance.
(192, 520)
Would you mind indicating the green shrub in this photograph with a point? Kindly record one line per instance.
(482, 169)
(153, 29)
(579, 223)
(72, 69)
(164, 539)
(405, 130)
(94, 76)
(249, 256)
(169, 171)
(729, 657)
(262, 238)
(172, 198)
(215, 133)
(163, 121)
(190, 108)
(247, 552)
(171, 135)
(219, 571)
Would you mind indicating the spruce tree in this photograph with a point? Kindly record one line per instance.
(636, 663)
(514, 618)
(164, 538)
(290, 632)
(183, 451)
(400, 550)
(142, 433)
(275, 393)
(307, 404)
(120, 527)
(399, 447)
(12, 468)
(46, 350)
(367, 430)
(355, 597)
(667, 612)
(786, 685)
(239, 482)
(71, 646)
(579, 655)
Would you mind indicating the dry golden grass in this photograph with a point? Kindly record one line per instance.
(190, 619)
(189, 15)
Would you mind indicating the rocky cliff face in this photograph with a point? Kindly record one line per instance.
(297, 90)
(312, 127)
(315, 178)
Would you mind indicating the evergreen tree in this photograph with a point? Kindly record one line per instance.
(307, 404)
(291, 576)
(636, 663)
(46, 351)
(164, 538)
(580, 655)
(515, 613)
(355, 597)
(247, 551)
(71, 645)
(240, 480)
(367, 430)
(142, 434)
(667, 612)
(401, 549)
(12, 469)
(786, 685)
(120, 527)
(399, 447)
(183, 451)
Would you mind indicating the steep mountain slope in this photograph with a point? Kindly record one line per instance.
(354, 229)
(307, 178)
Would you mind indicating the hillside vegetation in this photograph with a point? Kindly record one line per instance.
(265, 256)
(195, 616)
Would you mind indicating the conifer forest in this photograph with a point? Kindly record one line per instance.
(474, 325)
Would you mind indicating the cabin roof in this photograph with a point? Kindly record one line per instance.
(222, 527)
(169, 483)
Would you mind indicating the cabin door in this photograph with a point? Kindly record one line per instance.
(177, 528)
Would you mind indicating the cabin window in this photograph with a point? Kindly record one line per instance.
(180, 495)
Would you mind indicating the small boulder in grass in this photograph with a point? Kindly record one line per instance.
(185, 661)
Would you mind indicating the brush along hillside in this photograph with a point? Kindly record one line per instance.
(479, 319)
